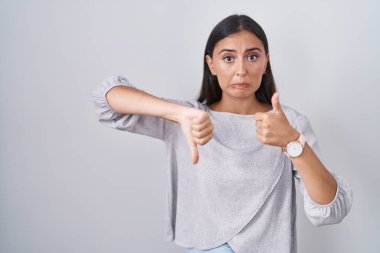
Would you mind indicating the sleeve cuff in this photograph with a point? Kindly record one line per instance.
(333, 212)
(103, 108)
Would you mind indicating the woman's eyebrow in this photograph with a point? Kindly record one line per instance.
(247, 50)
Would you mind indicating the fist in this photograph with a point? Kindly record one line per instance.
(273, 128)
(197, 128)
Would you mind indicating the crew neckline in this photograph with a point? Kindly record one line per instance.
(231, 113)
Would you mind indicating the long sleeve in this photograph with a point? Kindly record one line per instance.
(336, 210)
(152, 126)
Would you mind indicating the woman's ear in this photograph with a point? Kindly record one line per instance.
(210, 64)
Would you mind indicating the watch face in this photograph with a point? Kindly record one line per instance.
(294, 149)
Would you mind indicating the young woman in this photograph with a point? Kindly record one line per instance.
(235, 153)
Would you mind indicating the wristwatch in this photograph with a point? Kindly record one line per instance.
(295, 148)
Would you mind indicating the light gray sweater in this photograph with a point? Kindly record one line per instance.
(241, 191)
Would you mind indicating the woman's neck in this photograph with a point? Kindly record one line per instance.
(240, 106)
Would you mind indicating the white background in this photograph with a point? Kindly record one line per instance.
(69, 184)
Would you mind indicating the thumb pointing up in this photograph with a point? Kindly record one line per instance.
(276, 103)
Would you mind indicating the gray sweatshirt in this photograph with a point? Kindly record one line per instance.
(241, 191)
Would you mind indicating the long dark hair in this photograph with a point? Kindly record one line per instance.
(210, 90)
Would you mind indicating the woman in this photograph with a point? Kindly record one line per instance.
(235, 153)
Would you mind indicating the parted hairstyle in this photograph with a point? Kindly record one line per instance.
(210, 90)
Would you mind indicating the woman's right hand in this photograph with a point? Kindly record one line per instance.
(197, 127)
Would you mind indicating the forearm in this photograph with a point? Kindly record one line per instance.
(128, 100)
(319, 182)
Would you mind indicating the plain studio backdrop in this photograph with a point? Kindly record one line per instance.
(70, 184)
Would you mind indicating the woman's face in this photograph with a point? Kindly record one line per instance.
(239, 62)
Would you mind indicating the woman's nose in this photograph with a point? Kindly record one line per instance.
(241, 68)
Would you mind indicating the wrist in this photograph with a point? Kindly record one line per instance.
(174, 112)
(295, 148)
(180, 113)
(292, 136)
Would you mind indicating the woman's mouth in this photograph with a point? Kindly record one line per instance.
(240, 85)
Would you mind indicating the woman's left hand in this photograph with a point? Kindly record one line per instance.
(273, 128)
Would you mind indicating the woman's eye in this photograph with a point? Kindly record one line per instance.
(228, 58)
(252, 57)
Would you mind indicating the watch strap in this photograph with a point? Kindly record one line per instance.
(302, 140)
